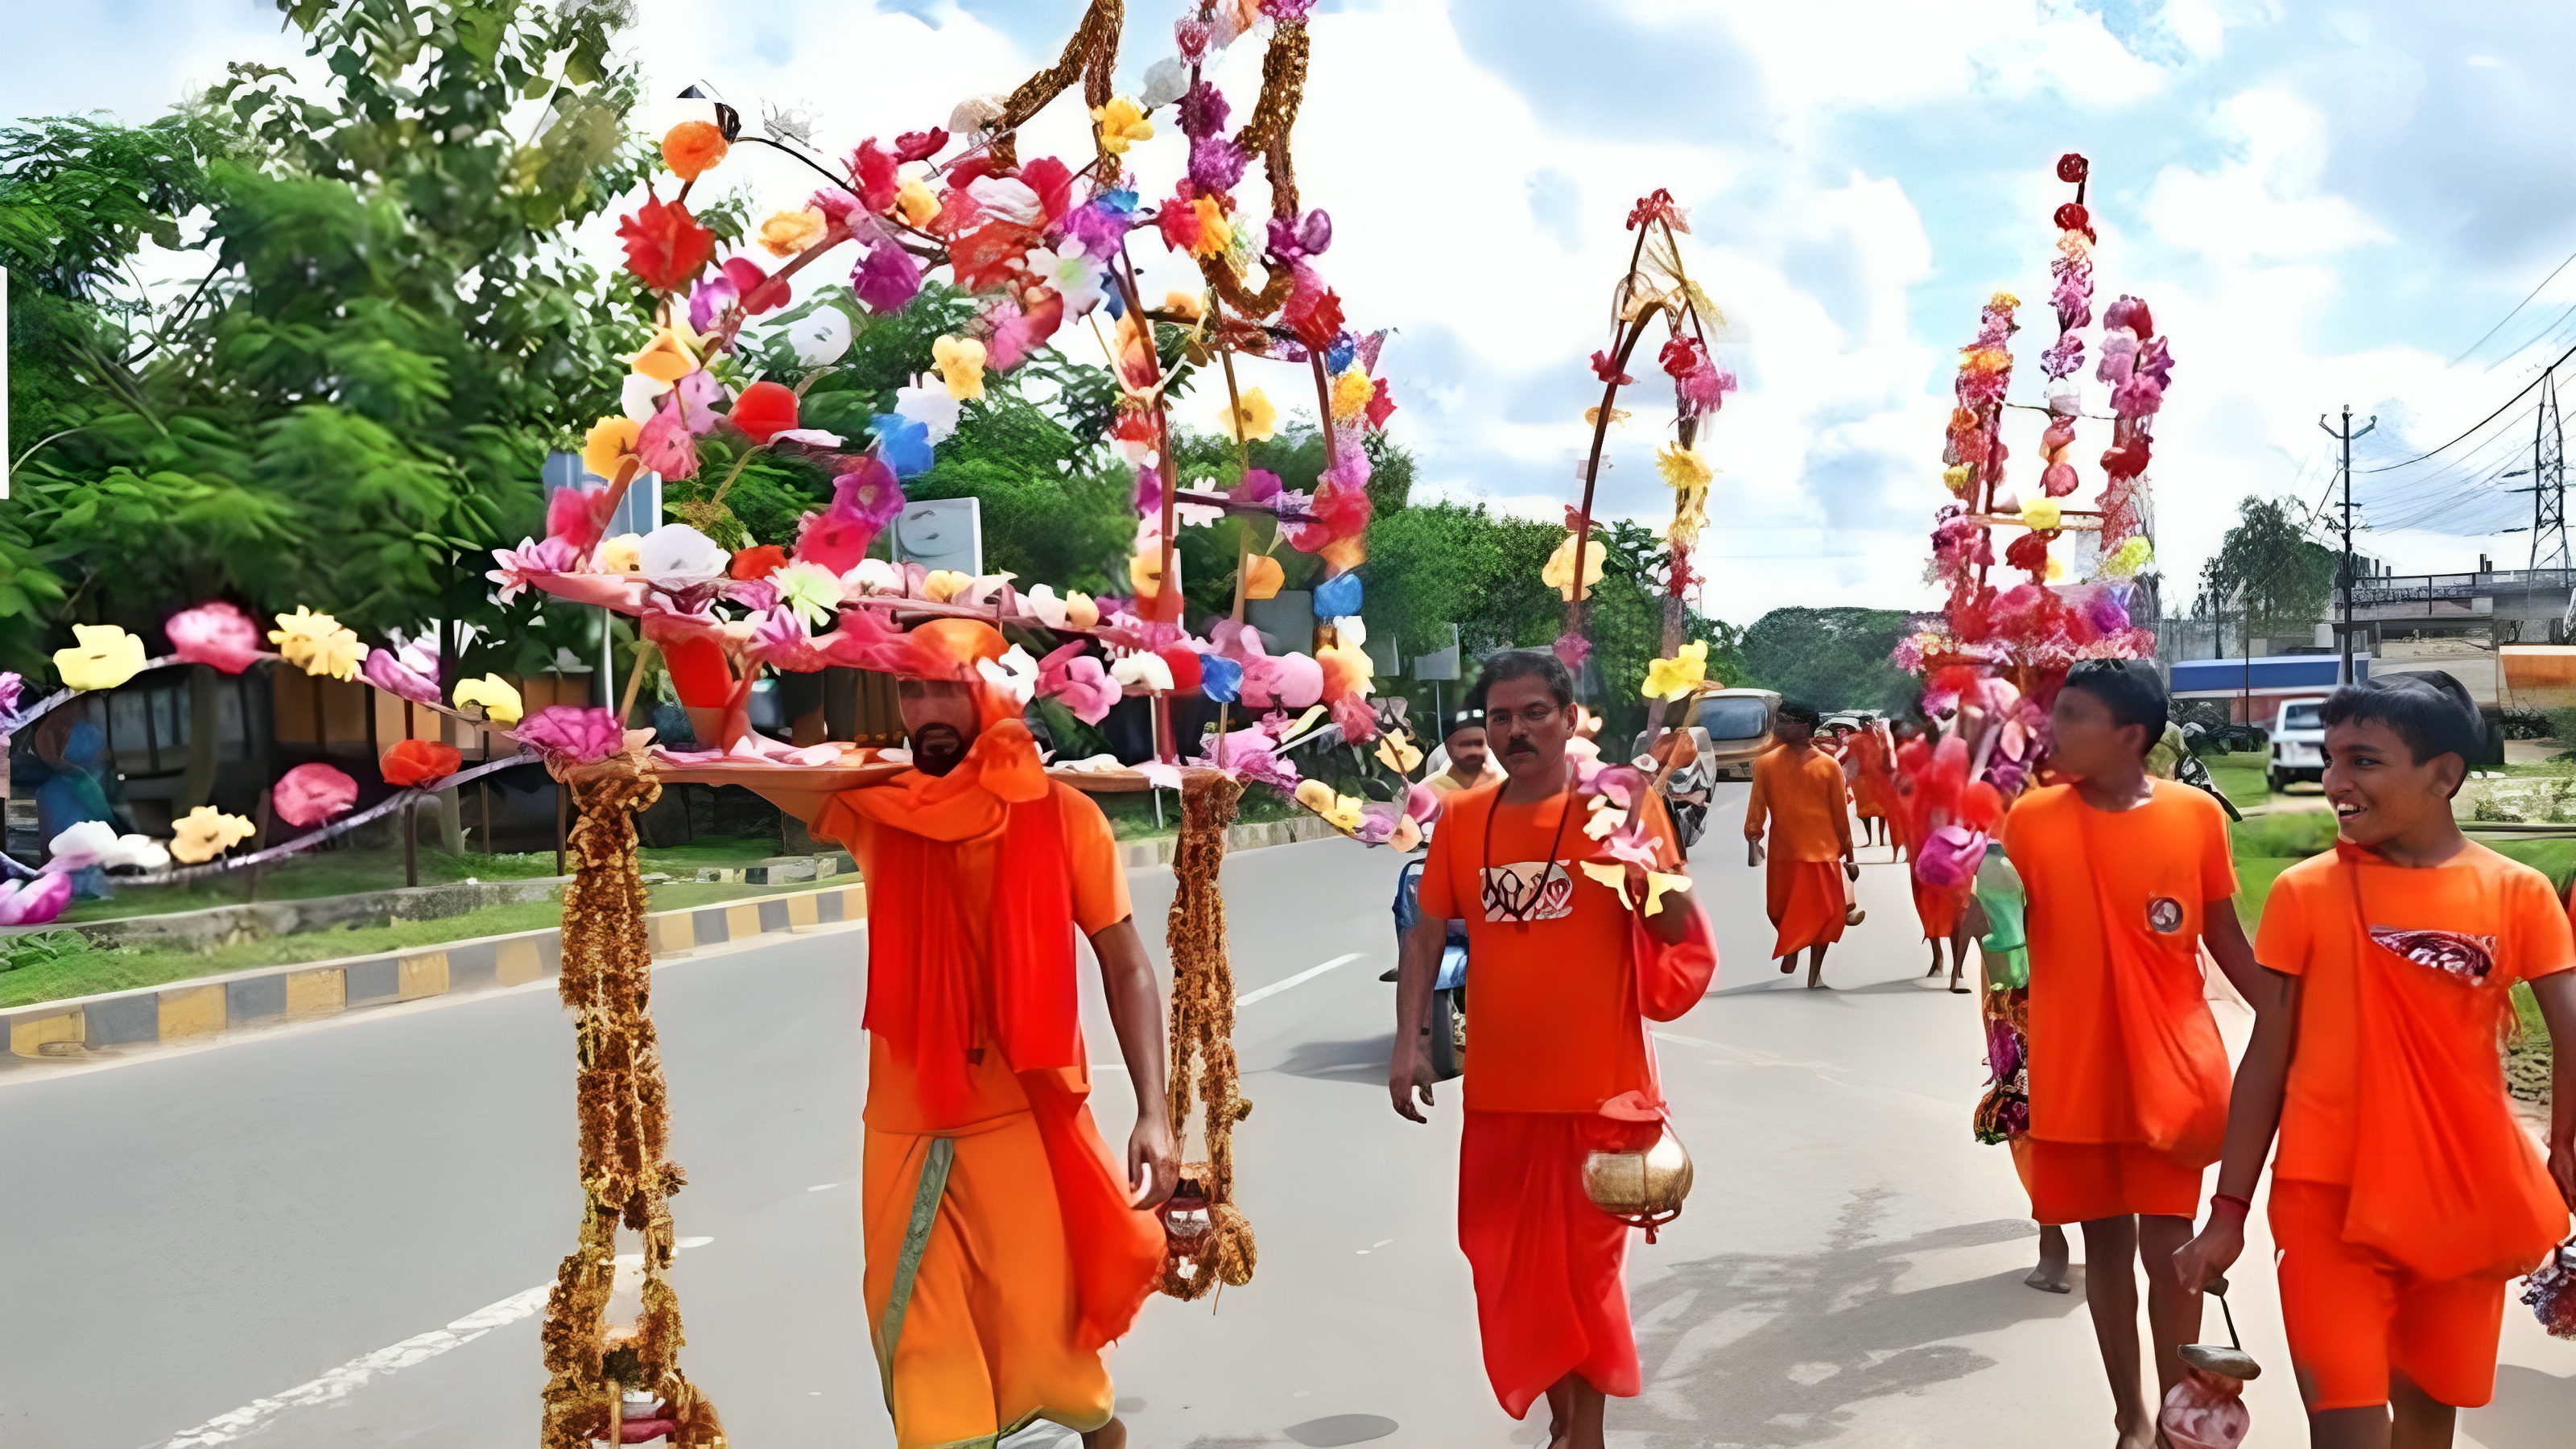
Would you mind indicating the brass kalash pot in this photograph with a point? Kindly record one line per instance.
(1643, 1188)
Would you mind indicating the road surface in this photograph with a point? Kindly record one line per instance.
(335, 1235)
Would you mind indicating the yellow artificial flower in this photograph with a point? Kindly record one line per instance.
(2004, 300)
(2041, 514)
(2056, 569)
(1688, 474)
(1670, 679)
(2131, 556)
(1262, 577)
(1351, 393)
(1122, 123)
(1188, 307)
(1683, 468)
(1658, 884)
(786, 233)
(1345, 815)
(960, 361)
(918, 203)
(105, 657)
(1145, 570)
(1398, 754)
(667, 358)
(1315, 795)
(942, 586)
(1559, 572)
(1592, 416)
(317, 644)
(1959, 480)
(500, 702)
(609, 443)
(1215, 232)
(1611, 874)
(1080, 612)
(1251, 419)
(623, 554)
(205, 832)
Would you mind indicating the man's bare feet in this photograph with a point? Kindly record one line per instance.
(2050, 1275)
(2147, 1437)
(1112, 1435)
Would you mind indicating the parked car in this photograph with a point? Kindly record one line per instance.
(2298, 744)
(1738, 723)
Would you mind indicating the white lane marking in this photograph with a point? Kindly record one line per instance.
(1301, 978)
(823, 1187)
(354, 1375)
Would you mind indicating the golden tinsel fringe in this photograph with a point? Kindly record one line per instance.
(1203, 1065)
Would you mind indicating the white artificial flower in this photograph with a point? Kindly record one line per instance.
(1351, 631)
(873, 576)
(1042, 601)
(930, 405)
(985, 588)
(976, 114)
(82, 845)
(141, 852)
(1143, 671)
(1071, 273)
(810, 437)
(1166, 81)
(1196, 515)
(820, 336)
(640, 396)
(1004, 198)
(1014, 674)
(676, 555)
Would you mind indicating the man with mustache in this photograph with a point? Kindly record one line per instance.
(1004, 1251)
(1566, 976)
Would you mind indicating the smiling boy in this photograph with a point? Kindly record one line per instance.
(2404, 1195)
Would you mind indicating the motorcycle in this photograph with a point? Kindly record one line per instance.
(1448, 1015)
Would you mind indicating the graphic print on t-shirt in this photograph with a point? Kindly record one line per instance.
(2467, 958)
(1527, 890)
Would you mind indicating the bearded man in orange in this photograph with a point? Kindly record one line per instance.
(1566, 977)
(1004, 1248)
(1799, 790)
(2127, 877)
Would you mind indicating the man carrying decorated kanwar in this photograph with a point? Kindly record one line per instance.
(2127, 877)
(2404, 1195)
(1569, 967)
(1005, 1247)
(1798, 789)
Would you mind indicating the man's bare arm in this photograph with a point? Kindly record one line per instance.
(2224, 934)
(1417, 971)
(2253, 1116)
(2556, 994)
(1136, 1010)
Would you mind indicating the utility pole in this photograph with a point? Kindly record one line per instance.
(2343, 672)
(2548, 483)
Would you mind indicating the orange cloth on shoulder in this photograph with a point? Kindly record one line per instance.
(2352, 1316)
(2123, 1049)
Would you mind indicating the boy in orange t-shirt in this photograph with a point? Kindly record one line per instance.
(2404, 1195)
(1798, 789)
(2127, 877)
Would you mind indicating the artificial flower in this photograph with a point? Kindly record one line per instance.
(1014, 674)
(878, 174)
(676, 555)
(1670, 679)
(1397, 753)
(873, 576)
(513, 565)
(1081, 611)
(961, 364)
(871, 491)
(1346, 672)
(1252, 418)
(639, 397)
(1144, 673)
(1220, 678)
(887, 277)
(755, 291)
(903, 445)
(1214, 232)
(1186, 308)
(667, 358)
(666, 444)
(2042, 514)
(1166, 81)
(2129, 558)
(610, 442)
(1683, 469)
(567, 734)
(1571, 650)
(317, 644)
(1606, 368)
(821, 336)
(1351, 393)
(665, 247)
(1559, 571)
(417, 762)
(809, 589)
(1262, 577)
(216, 633)
(308, 795)
(916, 203)
(1338, 596)
(765, 410)
(940, 586)
(1071, 273)
(693, 148)
(1075, 679)
(1122, 123)
(500, 702)
(806, 438)
(1216, 164)
(1342, 812)
(1008, 200)
(205, 832)
(709, 299)
(930, 406)
(785, 233)
(387, 670)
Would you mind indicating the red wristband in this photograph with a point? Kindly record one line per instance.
(2244, 1207)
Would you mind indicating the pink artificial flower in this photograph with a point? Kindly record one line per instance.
(34, 902)
(308, 795)
(1572, 650)
(1629, 845)
(782, 639)
(566, 734)
(575, 515)
(1290, 681)
(887, 277)
(1250, 754)
(1606, 368)
(1421, 802)
(553, 556)
(216, 633)
(1357, 717)
(666, 444)
(834, 202)
(385, 669)
(1149, 490)
(871, 490)
(1258, 486)
(696, 396)
(1075, 679)
(709, 299)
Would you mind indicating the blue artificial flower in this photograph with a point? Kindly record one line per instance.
(1338, 597)
(1220, 678)
(1345, 347)
(903, 444)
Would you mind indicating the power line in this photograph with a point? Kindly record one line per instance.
(2480, 423)
(2517, 308)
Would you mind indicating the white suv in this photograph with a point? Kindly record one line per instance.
(2298, 744)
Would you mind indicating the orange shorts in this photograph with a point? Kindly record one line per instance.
(2352, 1317)
(2077, 1182)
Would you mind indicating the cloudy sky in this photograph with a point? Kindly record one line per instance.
(2324, 204)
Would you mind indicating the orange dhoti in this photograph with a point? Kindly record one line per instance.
(1551, 1268)
(1939, 908)
(989, 1340)
(1806, 901)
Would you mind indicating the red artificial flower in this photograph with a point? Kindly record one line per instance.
(920, 145)
(2073, 217)
(1052, 180)
(764, 410)
(1679, 577)
(1658, 206)
(1682, 356)
(985, 257)
(2127, 461)
(1606, 368)
(753, 287)
(1184, 664)
(876, 175)
(758, 562)
(417, 762)
(1381, 406)
(665, 247)
(1317, 317)
(1179, 223)
(2072, 167)
(969, 169)
(2029, 552)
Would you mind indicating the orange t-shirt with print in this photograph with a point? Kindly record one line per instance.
(1556, 1021)
(1100, 900)
(2485, 922)
(2123, 1048)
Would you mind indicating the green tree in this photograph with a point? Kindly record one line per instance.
(1830, 658)
(2268, 571)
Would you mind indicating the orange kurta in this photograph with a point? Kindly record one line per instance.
(1033, 1261)
(1803, 796)
(2128, 1078)
(1562, 980)
(2405, 1195)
